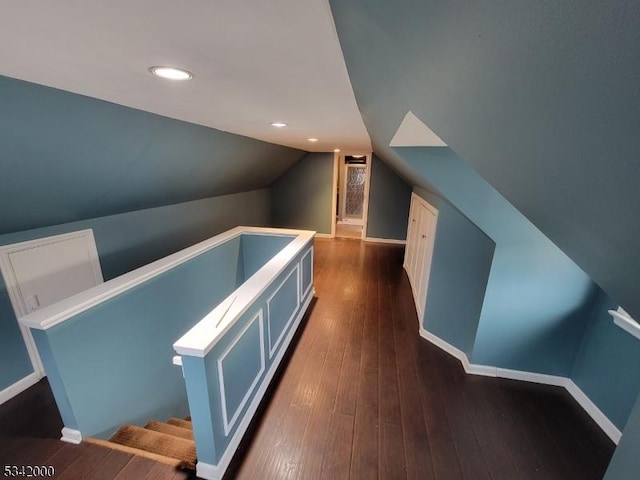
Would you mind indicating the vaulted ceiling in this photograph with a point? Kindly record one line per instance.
(541, 98)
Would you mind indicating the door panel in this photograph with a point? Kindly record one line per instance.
(419, 250)
(40, 272)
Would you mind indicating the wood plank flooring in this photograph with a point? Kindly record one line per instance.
(360, 395)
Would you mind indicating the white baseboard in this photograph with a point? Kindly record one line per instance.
(391, 241)
(208, 471)
(70, 435)
(594, 412)
(324, 235)
(542, 378)
(19, 387)
(488, 371)
(443, 345)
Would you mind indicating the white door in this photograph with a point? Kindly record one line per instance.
(419, 249)
(425, 241)
(40, 272)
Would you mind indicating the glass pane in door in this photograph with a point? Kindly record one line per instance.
(354, 199)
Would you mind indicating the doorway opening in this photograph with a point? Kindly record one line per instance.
(351, 195)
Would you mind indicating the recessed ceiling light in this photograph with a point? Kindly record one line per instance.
(312, 139)
(279, 124)
(336, 150)
(171, 73)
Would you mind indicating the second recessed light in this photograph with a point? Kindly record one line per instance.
(312, 139)
(171, 73)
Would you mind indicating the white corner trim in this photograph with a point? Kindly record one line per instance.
(594, 412)
(216, 472)
(391, 241)
(70, 435)
(208, 471)
(624, 321)
(579, 396)
(19, 387)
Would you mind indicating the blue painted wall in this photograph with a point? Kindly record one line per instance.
(127, 341)
(533, 315)
(302, 197)
(130, 240)
(539, 97)
(389, 201)
(258, 249)
(606, 367)
(65, 157)
(625, 463)
(462, 256)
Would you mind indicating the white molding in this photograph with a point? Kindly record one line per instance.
(304, 294)
(70, 435)
(216, 472)
(228, 424)
(274, 346)
(443, 345)
(391, 241)
(532, 377)
(54, 314)
(482, 370)
(202, 337)
(625, 322)
(19, 387)
(334, 193)
(594, 412)
(324, 235)
(208, 471)
(558, 381)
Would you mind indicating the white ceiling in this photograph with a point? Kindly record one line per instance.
(254, 62)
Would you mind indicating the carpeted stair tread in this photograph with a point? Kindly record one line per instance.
(136, 451)
(158, 443)
(169, 429)
(178, 422)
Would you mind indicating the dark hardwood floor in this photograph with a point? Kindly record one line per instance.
(360, 396)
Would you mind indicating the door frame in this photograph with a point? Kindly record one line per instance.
(338, 158)
(13, 289)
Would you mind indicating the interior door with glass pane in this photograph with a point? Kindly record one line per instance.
(353, 206)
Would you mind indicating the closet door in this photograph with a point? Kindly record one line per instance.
(425, 241)
(410, 250)
(419, 249)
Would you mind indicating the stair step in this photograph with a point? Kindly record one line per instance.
(135, 451)
(169, 429)
(178, 422)
(158, 443)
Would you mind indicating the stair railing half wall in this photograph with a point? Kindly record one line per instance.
(108, 351)
(229, 358)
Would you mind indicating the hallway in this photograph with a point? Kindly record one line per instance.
(361, 396)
